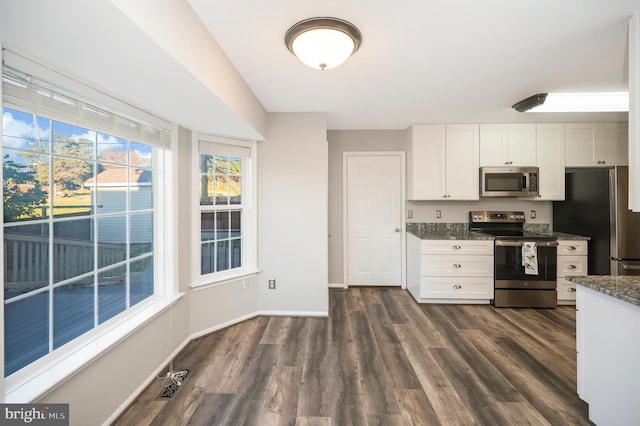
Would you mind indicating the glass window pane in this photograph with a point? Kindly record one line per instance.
(206, 163)
(206, 190)
(221, 190)
(222, 257)
(235, 190)
(236, 223)
(73, 141)
(72, 248)
(112, 149)
(141, 278)
(25, 131)
(26, 331)
(141, 234)
(236, 253)
(207, 226)
(25, 186)
(222, 225)
(141, 191)
(207, 258)
(71, 196)
(26, 259)
(112, 293)
(73, 310)
(112, 240)
(140, 154)
(221, 165)
(110, 188)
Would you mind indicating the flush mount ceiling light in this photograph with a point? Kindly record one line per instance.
(323, 43)
(575, 102)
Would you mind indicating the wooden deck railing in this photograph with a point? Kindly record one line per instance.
(26, 259)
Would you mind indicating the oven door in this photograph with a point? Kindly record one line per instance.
(510, 271)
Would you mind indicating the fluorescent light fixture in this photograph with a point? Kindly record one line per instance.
(575, 102)
(323, 43)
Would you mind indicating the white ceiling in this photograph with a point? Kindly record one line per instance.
(429, 61)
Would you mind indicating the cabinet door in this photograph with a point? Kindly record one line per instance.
(614, 144)
(462, 162)
(493, 145)
(581, 148)
(426, 162)
(596, 144)
(521, 145)
(550, 161)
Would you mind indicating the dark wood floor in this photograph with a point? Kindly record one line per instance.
(379, 359)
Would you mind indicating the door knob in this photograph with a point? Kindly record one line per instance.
(397, 229)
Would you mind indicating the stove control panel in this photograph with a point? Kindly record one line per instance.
(496, 217)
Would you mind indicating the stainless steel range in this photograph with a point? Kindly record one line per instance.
(525, 263)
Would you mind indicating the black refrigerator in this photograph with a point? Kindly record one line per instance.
(596, 205)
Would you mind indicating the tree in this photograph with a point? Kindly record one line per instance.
(22, 191)
(68, 173)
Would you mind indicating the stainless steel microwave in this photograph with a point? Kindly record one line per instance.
(508, 181)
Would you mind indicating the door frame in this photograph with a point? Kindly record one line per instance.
(345, 206)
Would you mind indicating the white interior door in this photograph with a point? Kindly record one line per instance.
(374, 220)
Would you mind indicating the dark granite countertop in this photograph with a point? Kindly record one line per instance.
(445, 231)
(460, 231)
(623, 287)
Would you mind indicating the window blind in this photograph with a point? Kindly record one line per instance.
(28, 93)
(217, 145)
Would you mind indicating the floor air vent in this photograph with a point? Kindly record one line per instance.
(175, 380)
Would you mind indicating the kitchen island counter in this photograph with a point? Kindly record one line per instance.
(623, 287)
(608, 347)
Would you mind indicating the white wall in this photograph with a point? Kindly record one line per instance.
(292, 214)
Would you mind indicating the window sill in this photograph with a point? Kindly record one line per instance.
(224, 278)
(36, 380)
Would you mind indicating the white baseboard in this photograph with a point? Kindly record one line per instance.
(322, 314)
(336, 285)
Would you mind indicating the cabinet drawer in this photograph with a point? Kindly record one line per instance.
(479, 247)
(456, 266)
(456, 288)
(572, 265)
(572, 248)
(566, 289)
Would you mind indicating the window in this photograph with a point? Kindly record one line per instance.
(223, 193)
(80, 199)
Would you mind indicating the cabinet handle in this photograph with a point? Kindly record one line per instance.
(571, 266)
(457, 286)
(571, 248)
(456, 247)
(571, 289)
(457, 265)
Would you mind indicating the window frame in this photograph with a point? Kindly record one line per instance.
(248, 213)
(39, 377)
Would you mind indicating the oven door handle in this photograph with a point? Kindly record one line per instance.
(509, 243)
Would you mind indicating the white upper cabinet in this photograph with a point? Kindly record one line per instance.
(507, 145)
(596, 144)
(550, 161)
(442, 162)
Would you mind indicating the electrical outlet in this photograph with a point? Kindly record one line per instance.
(272, 284)
(438, 214)
(409, 214)
(533, 214)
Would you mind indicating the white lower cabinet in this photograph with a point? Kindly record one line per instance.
(450, 271)
(572, 261)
